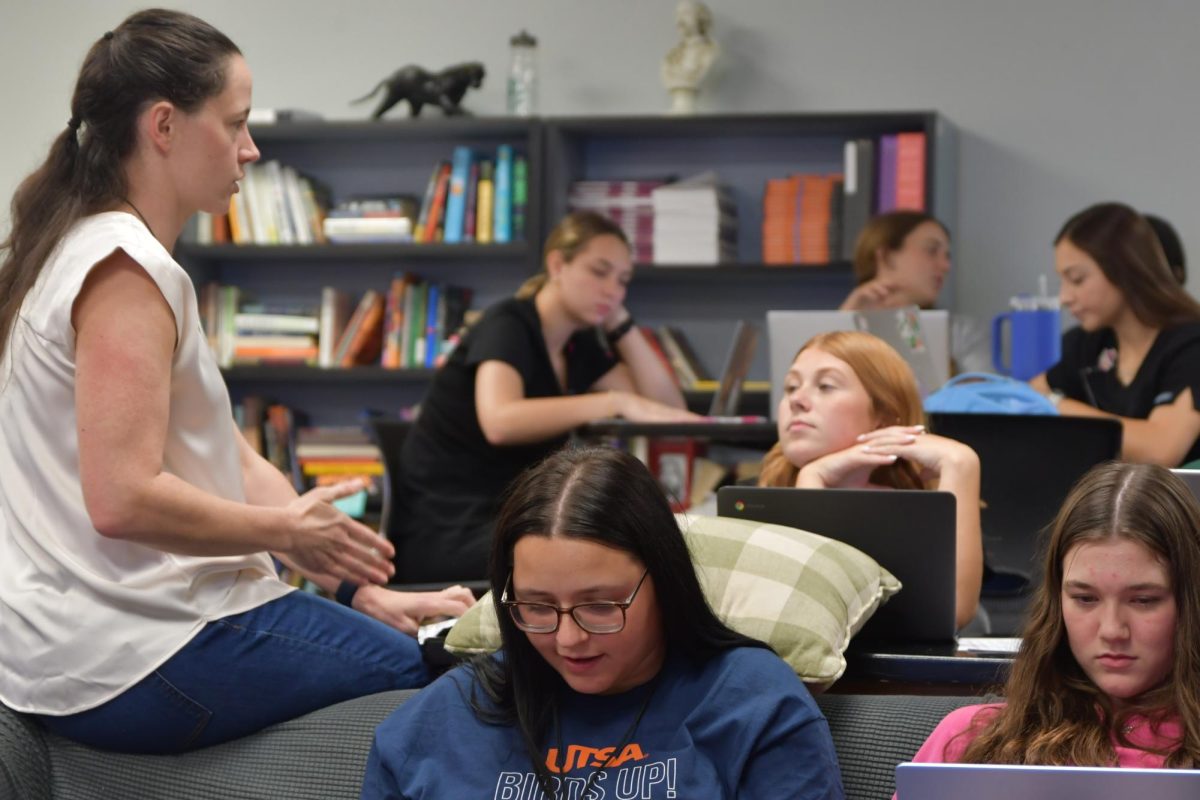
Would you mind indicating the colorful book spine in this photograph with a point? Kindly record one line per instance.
(472, 195)
(910, 171)
(502, 215)
(438, 207)
(886, 199)
(427, 203)
(520, 195)
(487, 194)
(432, 347)
(456, 197)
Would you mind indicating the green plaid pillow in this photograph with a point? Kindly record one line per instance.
(803, 594)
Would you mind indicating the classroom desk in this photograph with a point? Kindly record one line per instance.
(920, 668)
(762, 433)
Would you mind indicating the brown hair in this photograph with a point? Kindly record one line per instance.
(570, 236)
(895, 399)
(885, 232)
(1054, 714)
(1124, 245)
(153, 55)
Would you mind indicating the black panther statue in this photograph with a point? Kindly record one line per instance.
(444, 89)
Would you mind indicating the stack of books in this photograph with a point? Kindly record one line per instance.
(252, 334)
(277, 205)
(364, 220)
(629, 203)
(802, 220)
(901, 172)
(695, 222)
(342, 451)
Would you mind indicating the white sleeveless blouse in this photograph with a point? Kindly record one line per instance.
(84, 617)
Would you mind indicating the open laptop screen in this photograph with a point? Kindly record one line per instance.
(1016, 782)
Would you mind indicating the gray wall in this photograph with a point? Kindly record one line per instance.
(1059, 103)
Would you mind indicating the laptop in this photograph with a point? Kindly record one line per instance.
(902, 329)
(737, 366)
(910, 533)
(1191, 477)
(1006, 782)
(787, 331)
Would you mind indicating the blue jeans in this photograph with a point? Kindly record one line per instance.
(250, 670)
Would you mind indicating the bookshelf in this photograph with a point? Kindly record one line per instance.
(368, 158)
(390, 157)
(745, 151)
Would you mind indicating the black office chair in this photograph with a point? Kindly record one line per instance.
(1029, 464)
(389, 434)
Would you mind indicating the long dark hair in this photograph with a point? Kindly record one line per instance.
(1124, 245)
(1054, 713)
(606, 496)
(153, 55)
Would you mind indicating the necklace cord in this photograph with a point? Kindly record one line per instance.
(139, 214)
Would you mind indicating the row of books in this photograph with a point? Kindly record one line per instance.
(275, 205)
(474, 198)
(802, 220)
(880, 176)
(816, 219)
(312, 456)
(413, 323)
(677, 353)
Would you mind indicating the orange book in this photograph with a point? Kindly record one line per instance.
(438, 207)
(366, 340)
(220, 229)
(910, 171)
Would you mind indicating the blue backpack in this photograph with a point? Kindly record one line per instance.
(982, 393)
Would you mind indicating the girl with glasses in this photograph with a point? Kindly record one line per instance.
(615, 678)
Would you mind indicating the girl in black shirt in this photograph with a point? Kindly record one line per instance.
(564, 351)
(1136, 353)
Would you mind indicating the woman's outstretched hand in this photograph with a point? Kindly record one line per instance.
(325, 540)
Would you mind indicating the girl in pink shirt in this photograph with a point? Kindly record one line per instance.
(1109, 666)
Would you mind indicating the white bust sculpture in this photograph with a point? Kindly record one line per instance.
(686, 64)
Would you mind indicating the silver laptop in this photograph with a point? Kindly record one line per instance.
(1007, 782)
(787, 331)
(737, 365)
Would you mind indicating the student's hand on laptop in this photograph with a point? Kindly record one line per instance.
(877, 293)
(636, 408)
(854, 465)
(406, 611)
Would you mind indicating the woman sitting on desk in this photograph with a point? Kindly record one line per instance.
(615, 678)
(1135, 355)
(851, 418)
(901, 258)
(1108, 666)
(561, 353)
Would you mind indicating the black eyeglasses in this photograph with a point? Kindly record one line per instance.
(597, 616)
